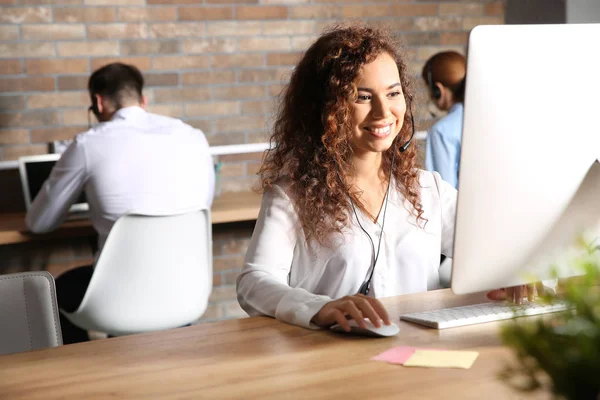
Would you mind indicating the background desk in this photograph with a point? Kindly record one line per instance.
(262, 358)
(229, 207)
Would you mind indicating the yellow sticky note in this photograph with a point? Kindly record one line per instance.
(442, 359)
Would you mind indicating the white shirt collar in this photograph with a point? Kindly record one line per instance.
(128, 112)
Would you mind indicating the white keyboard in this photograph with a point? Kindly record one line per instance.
(478, 313)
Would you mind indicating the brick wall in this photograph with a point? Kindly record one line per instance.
(218, 64)
(215, 63)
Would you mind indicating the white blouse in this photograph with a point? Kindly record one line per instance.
(289, 279)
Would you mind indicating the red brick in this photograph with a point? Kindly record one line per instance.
(14, 152)
(401, 24)
(82, 49)
(51, 2)
(57, 66)
(47, 135)
(438, 23)
(301, 43)
(461, 9)
(180, 62)
(261, 12)
(413, 10)
(256, 157)
(142, 14)
(176, 30)
(169, 110)
(276, 89)
(142, 63)
(87, 14)
(76, 117)
(14, 136)
(27, 50)
(233, 28)
(29, 119)
(224, 139)
(237, 60)
(264, 75)
(231, 1)
(12, 102)
(236, 186)
(181, 94)
(283, 58)
(314, 12)
(212, 45)
(258, 137)
(115, 2)
(287, 2)
(241, 123)
(205, 126)
(149, 47)
(9, 32)
(258, 106)
(53, 32)
(264, 44)
(20, 15)
(421, 38)
(8, 67)
(73, 82)
(161, 79)
(253, 168)
(173, 2)
(117, 31)
(207, 78)
(57, 99)
(228, 263)
(356, 11)
(205, 13)
(207, 109)
(494, 9)
(233, 171)
(29, 84)
(289, 28)
(454, 38)
(239, 92)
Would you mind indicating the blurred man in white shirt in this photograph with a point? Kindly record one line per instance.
(131, 162)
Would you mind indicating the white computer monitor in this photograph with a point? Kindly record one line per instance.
(529, 180)
(34, 170)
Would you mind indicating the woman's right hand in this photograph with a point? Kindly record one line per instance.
(357, 307)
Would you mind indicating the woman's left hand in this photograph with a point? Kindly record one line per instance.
(515, 294)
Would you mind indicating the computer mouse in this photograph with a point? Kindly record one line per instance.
(370, 330)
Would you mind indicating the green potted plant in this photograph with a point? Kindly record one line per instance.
(561, 352)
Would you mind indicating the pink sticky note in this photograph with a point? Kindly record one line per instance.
(396, 355)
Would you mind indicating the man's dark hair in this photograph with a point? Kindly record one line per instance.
(117, 82)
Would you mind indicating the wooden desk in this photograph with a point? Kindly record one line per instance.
(261, 358)
(229, 207)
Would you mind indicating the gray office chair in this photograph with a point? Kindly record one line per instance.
(28, 312)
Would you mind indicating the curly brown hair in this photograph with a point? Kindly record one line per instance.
(311, 148)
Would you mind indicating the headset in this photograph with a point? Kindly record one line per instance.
(365, 288)
(94, 110)
(435, 91)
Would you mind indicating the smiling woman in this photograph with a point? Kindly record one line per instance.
(342, 166)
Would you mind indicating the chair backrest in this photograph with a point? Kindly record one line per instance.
(28, 312)
(154, 272)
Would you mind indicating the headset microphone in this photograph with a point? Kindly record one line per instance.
(412, 123)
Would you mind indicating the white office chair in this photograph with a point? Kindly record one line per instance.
(154, 273)
(28, 312)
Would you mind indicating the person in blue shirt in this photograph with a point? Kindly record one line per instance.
(445, 75)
